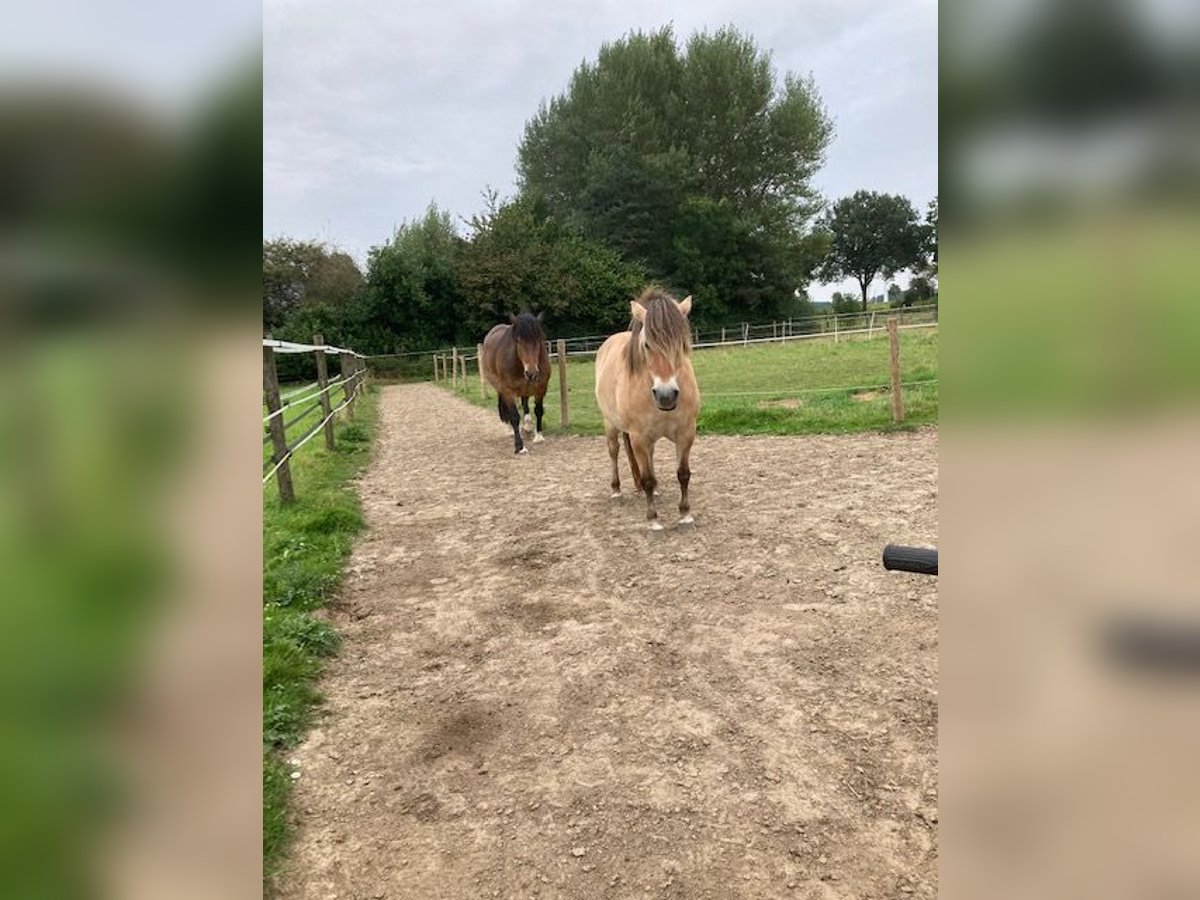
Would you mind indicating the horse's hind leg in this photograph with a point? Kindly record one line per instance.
(514, 419)
(527, 424)
(633, 464)
(539, 409)
(683, 448)
(613, 436)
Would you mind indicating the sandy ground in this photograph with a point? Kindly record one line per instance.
(537, 696)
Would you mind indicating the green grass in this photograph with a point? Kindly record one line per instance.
(1065, 337)
(305, 546)
(788, 381)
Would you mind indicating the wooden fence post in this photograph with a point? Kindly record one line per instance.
(348, 383)
(722, 335)
(462, 360)
(283, 474)
(774, 331)
(745, 333)
(835, 320)
(454, 366)
(894, 347)
(871, 325)
(435, 371)
(482, 381)
(562, 383)
(323, 384)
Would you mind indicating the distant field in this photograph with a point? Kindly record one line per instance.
(806, 387)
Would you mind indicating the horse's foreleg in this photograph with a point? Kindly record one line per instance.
(527, 424)
(683, 448)
(539, 409)
(514, 419)
(633, 464)
(644, 451)
(612, 435)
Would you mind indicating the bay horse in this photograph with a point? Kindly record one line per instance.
(516, 363)
(646, 390)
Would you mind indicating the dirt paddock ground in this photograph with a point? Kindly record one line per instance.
(537, 696)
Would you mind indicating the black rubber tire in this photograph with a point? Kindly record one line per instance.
(921, 560)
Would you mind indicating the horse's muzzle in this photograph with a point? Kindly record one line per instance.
(666, 399)
(531, 376)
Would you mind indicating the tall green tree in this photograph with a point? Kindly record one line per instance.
(519, 258)
(300, 275)
(920, 289)
(931, 239)
(736, 270)
(412, 298)
(871, 234)
(843, 304)
(675, 156)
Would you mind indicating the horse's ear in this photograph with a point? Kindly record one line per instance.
(512, 320)
(685, 305)
(639, 311)
(542, 316)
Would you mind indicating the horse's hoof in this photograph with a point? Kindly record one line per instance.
(522, 450)
(689, 519)
(655, 525)
(537, 438)
(615, 495)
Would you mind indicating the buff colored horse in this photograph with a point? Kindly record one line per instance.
(646, 390)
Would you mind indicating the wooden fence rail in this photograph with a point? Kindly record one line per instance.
(784, 333)
(824, 324)
(562, 383)
(893, 330)
(353, 377)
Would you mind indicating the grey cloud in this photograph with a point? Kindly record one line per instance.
(372, 110)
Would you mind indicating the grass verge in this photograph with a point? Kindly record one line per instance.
(305, 546)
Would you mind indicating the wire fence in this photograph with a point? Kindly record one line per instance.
(828, 324)
(423, 365)
(458, 369)
(295, 417)
(304, 405)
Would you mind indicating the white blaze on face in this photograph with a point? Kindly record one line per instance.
(671, 383)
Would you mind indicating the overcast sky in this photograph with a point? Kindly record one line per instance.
(371, 109)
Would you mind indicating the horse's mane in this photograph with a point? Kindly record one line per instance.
(526, 327)
(666, 330)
